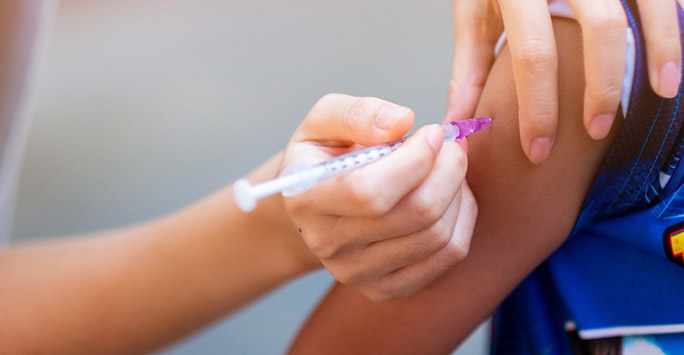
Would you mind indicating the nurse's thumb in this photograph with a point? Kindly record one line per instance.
(338, 118)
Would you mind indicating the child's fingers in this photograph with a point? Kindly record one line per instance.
(663, 47)
(342, 119)
(476, 30)
(604, 25)
(535, 69)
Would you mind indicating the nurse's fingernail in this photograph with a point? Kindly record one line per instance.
(668, 79)
(539, 150)
(600, 125)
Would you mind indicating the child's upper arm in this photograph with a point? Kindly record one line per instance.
(525, 213)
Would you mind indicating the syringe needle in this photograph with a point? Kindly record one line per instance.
(299, 179)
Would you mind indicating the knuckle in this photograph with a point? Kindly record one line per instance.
(359, 107)
(438, 236)
(374, 295)
(604, 89)
(666, 33)
(381, 292)
(607, 90)
(543, 121)
(323, 248)
(667, 41)
(347, 276)
(456, 252)
(605, 22)
(536, 52)
(368, 199)
(379, 206)
(426, 209)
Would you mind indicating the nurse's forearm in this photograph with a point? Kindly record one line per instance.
(133, 290)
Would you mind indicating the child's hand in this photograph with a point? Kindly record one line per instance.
(393, 226)
(478, 24)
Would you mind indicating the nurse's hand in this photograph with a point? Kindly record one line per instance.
(393, 226)
(478, 24)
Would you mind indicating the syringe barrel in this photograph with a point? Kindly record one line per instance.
(300, 179)
(308, 176)
(344, 163)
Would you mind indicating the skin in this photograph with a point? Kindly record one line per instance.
(138, 288)
(135, 289)
(387, 240)
(91, 291)
(535, 57)
(526, 212)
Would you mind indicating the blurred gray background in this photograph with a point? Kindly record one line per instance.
(144, 106)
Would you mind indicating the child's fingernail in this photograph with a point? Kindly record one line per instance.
(435, 137)
(389, 115)
(539, 150)
(600, 126)
(668, 79)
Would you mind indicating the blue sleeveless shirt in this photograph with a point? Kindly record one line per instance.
(621, 271)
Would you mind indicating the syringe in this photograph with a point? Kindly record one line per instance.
(299, 179)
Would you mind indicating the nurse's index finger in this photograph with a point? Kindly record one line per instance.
(604, 25)
(535, 70)
(663, 47)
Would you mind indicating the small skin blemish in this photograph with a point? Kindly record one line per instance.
(299, 230)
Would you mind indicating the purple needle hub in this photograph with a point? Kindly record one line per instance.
(466, 127)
